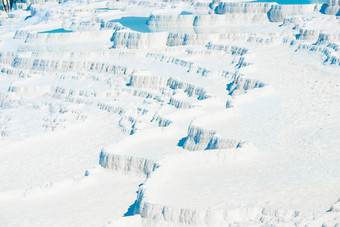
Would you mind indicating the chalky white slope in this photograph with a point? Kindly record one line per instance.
(170, 113)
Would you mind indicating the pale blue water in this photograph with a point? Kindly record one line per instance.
(285, 2)
(185, 13)
(105, 9)
(59, 30)
(134, 23)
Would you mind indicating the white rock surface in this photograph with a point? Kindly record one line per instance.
(169, 113)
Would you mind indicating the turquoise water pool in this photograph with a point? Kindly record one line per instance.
(59, 30)
(106, 9)
(134, 23)
(185, 13)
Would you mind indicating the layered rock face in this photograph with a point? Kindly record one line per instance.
(239, 85)
(126, 164)
(7, 5)
(251, 8)
(170, 20)
(278, 12)
(203, 139)
(320, 40)
(207, 217)
(199, 21)
(226, 13)
(135, 40)
(230, 19)
(274, 12)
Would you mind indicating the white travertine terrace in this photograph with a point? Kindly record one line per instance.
(169, 113)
